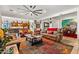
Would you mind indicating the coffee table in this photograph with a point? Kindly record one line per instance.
(34, 39)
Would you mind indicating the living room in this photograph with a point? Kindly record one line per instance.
(39, 29)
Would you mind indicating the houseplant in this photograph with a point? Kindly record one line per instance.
(3, 39)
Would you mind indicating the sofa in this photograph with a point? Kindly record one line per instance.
(51, 30)
(56, 36)
(69, 33)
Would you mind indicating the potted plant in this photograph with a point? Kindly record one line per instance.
(4, 39)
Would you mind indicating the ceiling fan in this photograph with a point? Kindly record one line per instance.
(32, 10)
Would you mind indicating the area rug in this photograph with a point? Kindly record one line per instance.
(56, 48)
(53, 48)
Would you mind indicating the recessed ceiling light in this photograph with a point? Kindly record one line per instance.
(13, 11)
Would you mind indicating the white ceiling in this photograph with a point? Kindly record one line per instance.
(50, 10)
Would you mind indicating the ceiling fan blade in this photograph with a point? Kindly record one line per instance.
(27, 8)
(34, 7)
(31, 14)
(35, 14)
(39, 10)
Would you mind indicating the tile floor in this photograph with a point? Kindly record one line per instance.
(74, 42)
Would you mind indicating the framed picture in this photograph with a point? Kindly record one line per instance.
(46, 24)
(66, 22)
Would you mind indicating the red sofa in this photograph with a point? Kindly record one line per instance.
(51, 30)
(71, 35)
